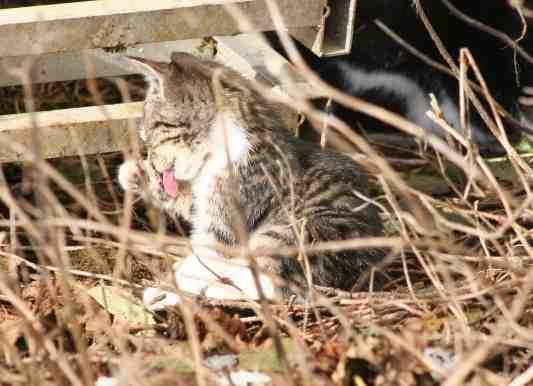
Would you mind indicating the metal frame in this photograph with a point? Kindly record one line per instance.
(334, 36)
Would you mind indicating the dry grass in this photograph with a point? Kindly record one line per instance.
(456, 309)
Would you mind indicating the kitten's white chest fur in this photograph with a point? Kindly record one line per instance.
(230, 150)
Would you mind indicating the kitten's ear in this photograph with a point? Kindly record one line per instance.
(150, 68)
(230, 79)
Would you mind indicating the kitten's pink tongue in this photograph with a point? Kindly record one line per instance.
(169, 183)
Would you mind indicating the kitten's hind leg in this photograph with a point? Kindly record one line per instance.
(287, 271)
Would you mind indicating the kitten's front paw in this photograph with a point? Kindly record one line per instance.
(129, 176)
(156, 299)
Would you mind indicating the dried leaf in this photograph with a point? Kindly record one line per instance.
(121, 304)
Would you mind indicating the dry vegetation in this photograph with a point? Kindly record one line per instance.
(456, 309)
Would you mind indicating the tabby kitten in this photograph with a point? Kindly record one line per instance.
(220, 156)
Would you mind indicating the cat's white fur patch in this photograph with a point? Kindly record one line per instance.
(128, 175)
(201, 275)
(416, 99)
(230, 143)
(231, 140)
(197, 276)
(202, 243)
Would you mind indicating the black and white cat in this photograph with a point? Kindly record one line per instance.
(381, 71)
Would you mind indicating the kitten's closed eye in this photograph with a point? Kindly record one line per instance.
(165, 124)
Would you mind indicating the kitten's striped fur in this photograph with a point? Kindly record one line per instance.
(220, 137)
